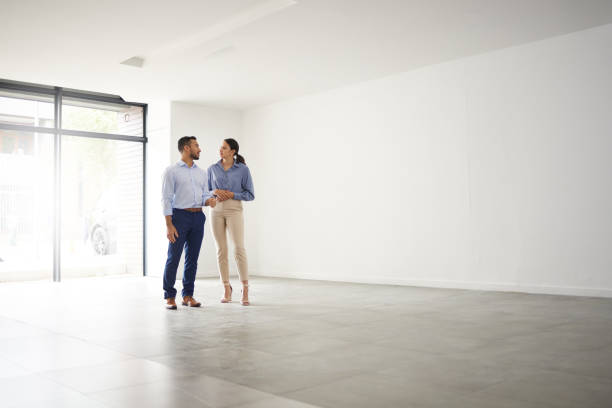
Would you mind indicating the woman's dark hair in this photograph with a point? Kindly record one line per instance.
(184, 141)
(234, 146)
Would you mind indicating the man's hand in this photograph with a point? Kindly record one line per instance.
(172, 233)
(211, 202)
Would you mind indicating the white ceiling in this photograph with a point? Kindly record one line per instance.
(242, 53)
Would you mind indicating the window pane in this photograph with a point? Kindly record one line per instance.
(26, 206)
(23, 108)
(101, 207)
(101, 117)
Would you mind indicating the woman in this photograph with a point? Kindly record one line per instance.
(230, 181)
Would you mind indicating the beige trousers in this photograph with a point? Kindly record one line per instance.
(227, 216)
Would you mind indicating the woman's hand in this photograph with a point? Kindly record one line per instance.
(223, 195)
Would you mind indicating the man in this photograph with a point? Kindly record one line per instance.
(184, 193)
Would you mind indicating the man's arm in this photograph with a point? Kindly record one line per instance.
(167, 196)
(208, 197)
(167, 192)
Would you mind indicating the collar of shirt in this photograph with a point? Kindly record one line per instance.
(182, 163)
(220, 164)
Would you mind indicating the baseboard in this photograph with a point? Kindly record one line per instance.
(448, 284)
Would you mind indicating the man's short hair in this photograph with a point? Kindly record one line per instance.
(184, 141)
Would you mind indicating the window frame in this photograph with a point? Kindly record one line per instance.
(58, 93)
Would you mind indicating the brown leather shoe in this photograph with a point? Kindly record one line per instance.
(191, 302)
(170, 304)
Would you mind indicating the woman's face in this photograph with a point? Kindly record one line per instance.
(225, 152)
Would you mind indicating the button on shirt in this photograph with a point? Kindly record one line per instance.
(236, 179)
(184, 187)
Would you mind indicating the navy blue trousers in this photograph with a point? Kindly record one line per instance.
(190, 228)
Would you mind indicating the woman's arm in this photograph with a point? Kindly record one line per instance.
(248, 191)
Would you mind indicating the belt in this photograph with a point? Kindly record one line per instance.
(193, 210)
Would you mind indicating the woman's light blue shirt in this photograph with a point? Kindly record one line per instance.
(236, 179)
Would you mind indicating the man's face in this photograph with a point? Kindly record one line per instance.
(194, 149)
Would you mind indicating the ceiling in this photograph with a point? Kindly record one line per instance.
(244, 53)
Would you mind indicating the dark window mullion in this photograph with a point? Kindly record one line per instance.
(27, 128)
(97, 135)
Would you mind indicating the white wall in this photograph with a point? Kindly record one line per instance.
(158, 158)
(487, 172)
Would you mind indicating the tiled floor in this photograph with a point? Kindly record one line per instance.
(109, 342)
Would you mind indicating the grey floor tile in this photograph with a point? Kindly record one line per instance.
(153, 395)
(143, 347)
(51, 352)
(456, 374)
(288, 374)
(213, 360)
(554, 389)
(298, 344)
(111, 375)
(11, 329)
(220, 393)
(8, 369)
(487, 401)
(593, 363)
(66, 401)
(276, 402)
(33, 389)
(368, 390)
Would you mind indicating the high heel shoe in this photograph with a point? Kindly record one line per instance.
(242, 301)
(224, 299)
